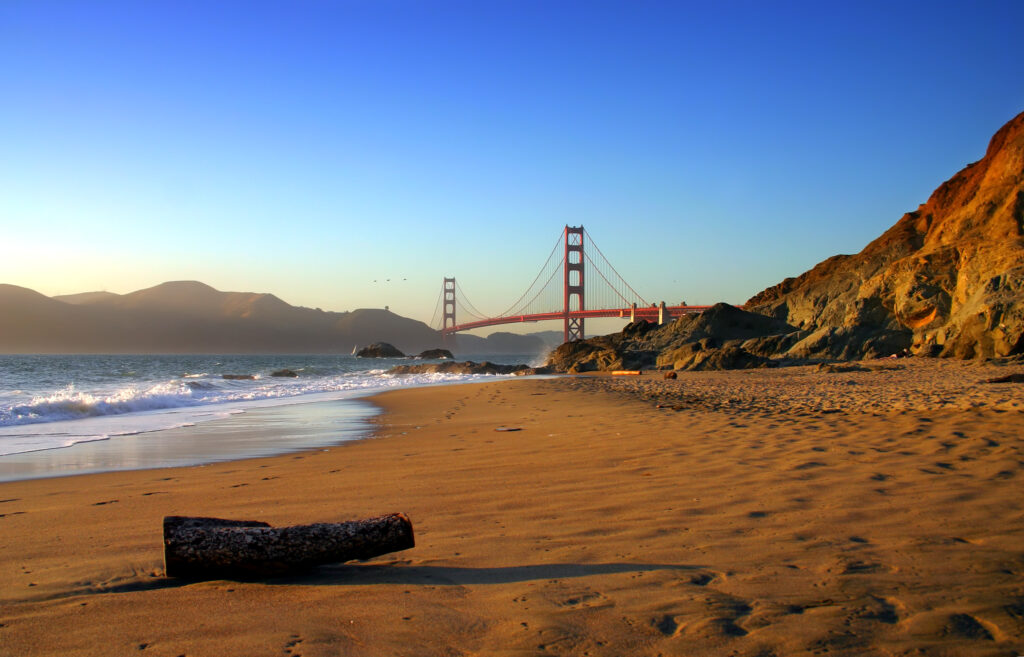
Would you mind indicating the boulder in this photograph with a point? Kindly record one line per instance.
(284, 373)
(379, 350)
(436, 354)
(727, 358)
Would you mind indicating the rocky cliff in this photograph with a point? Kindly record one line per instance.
(947, 279)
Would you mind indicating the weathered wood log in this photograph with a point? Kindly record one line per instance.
(212, 548)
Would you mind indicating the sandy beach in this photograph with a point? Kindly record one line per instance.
(750, 513)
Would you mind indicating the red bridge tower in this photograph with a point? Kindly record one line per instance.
(449, 306)
(573, 286)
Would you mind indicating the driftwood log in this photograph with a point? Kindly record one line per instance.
(212, 548)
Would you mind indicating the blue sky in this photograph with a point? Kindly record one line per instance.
(310, 148)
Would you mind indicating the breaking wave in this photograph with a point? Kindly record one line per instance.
(71, 404)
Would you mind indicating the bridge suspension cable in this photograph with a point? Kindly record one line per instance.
(517, 307)
(466, 306)
(622, 286)
(437, 310)
(572, 284)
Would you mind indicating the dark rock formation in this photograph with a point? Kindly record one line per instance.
(379, 350)
(723, 337)
(284, 372)
(435, 354)
(468, 367)
(238, 377)
(947, 279)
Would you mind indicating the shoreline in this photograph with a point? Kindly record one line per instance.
(250, 434)
(725, 521)
(241, 433)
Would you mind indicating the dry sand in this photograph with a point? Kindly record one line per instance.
(773, 512)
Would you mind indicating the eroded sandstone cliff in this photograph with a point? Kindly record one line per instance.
(947, 279)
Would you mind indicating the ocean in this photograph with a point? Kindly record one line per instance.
(69, 414)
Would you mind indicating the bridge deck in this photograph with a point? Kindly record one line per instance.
(647, 313)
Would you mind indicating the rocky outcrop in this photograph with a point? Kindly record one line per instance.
(285, 373)
(435, 354)
(723, 337)
(379, 350)
(946, 279)
(468, 367)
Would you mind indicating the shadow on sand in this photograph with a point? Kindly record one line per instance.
(400, 573)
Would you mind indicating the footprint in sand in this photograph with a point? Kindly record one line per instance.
(857, 567)
(703, 579)
(723, 617)
(884, 610)
(667, 625)
(968, 627)
(1016, 609)
(292, 645)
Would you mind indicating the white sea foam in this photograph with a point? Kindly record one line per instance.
(69, 416)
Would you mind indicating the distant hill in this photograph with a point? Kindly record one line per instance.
(191, 317)
(503, 342)
(83, 297)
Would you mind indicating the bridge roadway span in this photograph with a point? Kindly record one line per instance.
(648, 313)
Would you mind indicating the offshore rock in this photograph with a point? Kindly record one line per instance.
(467, 367)
(947, 279)
(380, 350)
(435, 354)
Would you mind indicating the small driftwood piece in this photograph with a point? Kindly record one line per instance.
(212, 548)
(1009, 378)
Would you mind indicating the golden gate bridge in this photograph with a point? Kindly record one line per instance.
(576, 283)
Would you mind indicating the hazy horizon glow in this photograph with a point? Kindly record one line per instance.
(314, 149)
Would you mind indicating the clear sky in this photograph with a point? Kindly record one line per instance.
(309, 148)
